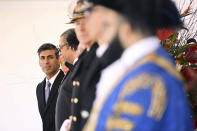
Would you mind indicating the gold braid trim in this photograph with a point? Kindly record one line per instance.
(123, 107)
(158, 100)
(142, 81)
(120, 124)
(158, 92)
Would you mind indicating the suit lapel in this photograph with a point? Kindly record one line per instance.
(54, 88)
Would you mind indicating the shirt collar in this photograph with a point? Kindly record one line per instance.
(52, 79)
(75, 60)
(138, 50)
(101, 50)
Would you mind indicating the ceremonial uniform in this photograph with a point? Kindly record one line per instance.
(103, 58)
(145, 93)
(79, 73)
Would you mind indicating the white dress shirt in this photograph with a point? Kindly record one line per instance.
(51, 80)
(101, 50)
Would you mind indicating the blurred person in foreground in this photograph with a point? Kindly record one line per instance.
(47, 90)
(88, 73)
(87, 48)
(68, 45)
(146, 92)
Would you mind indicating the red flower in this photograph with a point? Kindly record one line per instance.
(164, 33)
(189, 73)
(65, 68)
(195, 124)
(191, 54)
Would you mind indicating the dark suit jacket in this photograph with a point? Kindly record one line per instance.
(88, 86)
(47, 110)
(63, 101)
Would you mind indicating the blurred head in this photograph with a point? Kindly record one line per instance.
(145, 16)
(68, 46)
(82, 32)
(103, 23)
(140, 18)
(78, 19)
(49, 59)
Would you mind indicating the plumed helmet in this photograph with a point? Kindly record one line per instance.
(78, 10)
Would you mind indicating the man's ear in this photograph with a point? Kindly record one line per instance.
(39, 61)
(105, 25)
(40, 65)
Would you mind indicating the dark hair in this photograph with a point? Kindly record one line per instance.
(70, 39)
(146, 15)
(48, 46)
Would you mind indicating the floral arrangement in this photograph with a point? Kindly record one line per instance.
(182, 46)
(63, 66)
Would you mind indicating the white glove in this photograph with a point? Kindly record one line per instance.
(66, 125)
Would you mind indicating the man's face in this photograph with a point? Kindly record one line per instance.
(81, 31)
(94, 21)
(65, 52)
(101, 23)
(49, 62)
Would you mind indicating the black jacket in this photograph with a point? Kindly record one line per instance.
(47, 110)
(85, 83)
(79, 74)
(63, 100)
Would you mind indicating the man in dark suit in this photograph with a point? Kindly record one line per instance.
(47, 90)
(68, 45)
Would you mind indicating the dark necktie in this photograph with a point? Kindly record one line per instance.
(47, 92)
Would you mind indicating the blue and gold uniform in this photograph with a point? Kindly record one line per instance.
(148, 94)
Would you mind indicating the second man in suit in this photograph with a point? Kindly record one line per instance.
(68, 45)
